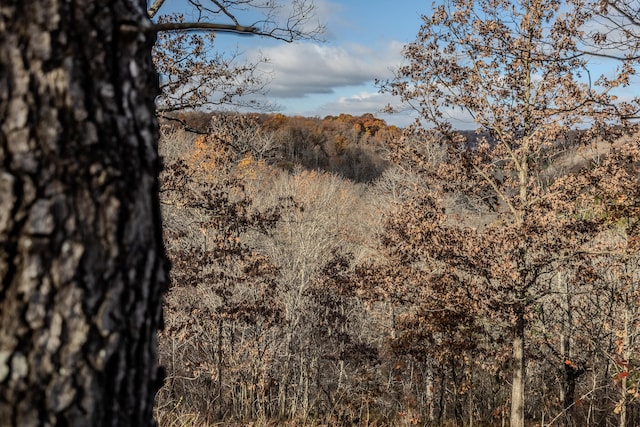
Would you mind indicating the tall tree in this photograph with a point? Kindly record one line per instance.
(516, 70)
(82, 263)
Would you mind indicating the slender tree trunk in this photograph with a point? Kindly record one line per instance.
(517, 387)
(429, 393)
(82, 265)
(565, 344)
(571, 371)
(441, 400)
(470, 401)
(457, 406)
(626, 355)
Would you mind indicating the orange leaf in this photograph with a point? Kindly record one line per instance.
(620, 375)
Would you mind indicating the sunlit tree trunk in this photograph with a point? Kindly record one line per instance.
(571, 371)
(82, 265)
(518, 379)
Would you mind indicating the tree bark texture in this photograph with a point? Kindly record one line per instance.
(82, 264)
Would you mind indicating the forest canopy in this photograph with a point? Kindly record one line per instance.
(343, 271)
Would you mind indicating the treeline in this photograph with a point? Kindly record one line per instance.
(300, 296)
(350, 146)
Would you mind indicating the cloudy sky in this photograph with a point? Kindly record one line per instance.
(362, 42)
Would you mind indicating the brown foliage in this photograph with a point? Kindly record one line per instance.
(513, 68)
(503, 261)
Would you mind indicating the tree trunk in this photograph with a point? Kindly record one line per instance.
(571, 371)
(517, 387)
(82, 264)
(626, 355)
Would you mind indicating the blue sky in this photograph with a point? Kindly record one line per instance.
(362, 42)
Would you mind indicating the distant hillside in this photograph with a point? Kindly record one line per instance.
(351, 146)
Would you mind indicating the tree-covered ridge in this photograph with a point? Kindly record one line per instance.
(351, 146)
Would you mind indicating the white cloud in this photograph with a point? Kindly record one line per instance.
(375, 103)
(361, 103)
(302, 69)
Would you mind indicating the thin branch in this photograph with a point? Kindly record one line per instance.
(632, 19)
(184, 124)
(565, 410)
(497, 190)
(611, 56)
(205, 26)
(226, 12)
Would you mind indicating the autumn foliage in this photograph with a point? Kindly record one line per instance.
(340, 271)
(299, 294)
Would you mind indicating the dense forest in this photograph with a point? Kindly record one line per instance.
(340, 271)
(330, 271)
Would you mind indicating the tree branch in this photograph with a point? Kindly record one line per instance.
(632, 18)
(153, 10)
(303, 11)
(195, 26)
(226, 12)
(611, 56)
(185, 125)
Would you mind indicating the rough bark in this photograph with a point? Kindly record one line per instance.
(82, 265)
